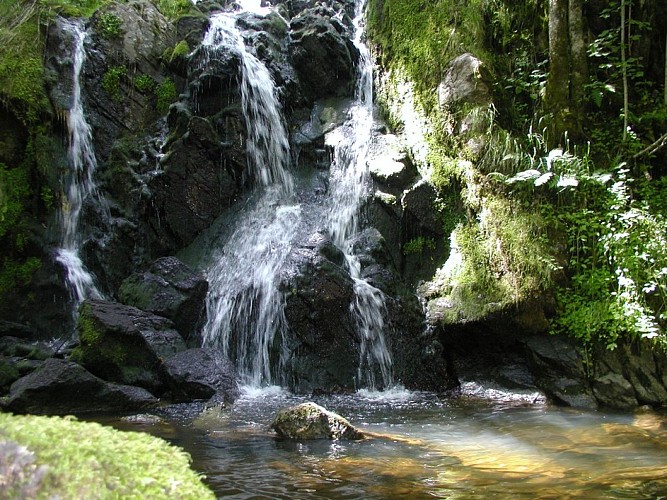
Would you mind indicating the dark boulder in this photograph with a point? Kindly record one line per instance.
(559, 371)
(62, 387)
(322, 339)
(198, 182)
(171, 289)
(200, 373)
(322, 53)
(311, 421)
(123, 344)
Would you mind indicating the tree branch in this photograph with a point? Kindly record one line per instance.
(659, 143)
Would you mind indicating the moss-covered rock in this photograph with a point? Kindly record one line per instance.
(311, 421)
(124, 344)
(51, 457)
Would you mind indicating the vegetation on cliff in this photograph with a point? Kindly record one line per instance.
(48, 457)
(560, 183)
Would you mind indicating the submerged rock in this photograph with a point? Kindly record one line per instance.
(311, 421)
(62, 387)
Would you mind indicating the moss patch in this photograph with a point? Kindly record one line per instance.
(66, 458)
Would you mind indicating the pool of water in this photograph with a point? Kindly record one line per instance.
(473, 446)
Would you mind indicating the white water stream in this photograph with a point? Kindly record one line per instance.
(245, 308)
(349, 184)
(80, 183)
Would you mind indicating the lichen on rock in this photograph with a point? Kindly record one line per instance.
(311, 421)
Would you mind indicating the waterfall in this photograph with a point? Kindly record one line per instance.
(245, 308)
(79, 184)
(349, 186)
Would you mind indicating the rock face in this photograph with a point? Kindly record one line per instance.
(61, 387)
(322, 52)
(200, 374)
(310, 421)
(171, 289)
(124, 344)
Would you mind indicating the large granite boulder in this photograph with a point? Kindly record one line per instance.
(124, 344)
(171, 289)
(322, 53)
(311, 421)
(62, 387)
(466, 80)
(200, 373)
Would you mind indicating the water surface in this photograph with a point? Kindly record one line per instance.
(465, 447)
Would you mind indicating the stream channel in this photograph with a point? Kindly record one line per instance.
(482, 444)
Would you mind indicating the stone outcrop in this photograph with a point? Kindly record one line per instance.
(310, 421)
(61, 387)
(322, 53)
(171, 289)
(124, 344)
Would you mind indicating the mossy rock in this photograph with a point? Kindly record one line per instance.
(311, 421)
(45, 461)
(124, 344)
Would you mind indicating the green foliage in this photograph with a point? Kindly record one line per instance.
(75, 459)
(614, 246)
(111, 81)
(109, 25)
(174, 9)
(144, 84)
(417, 245)
(180, 50)
(166, 94)
(14, 189)
(15, 273)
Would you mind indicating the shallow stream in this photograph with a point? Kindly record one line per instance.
(467, 447)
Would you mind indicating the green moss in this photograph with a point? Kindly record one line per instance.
(111, 81)
(180, 50)
(88, 460)
(144, 83)
(418, 245)
(166, 94)
(109, 25)
(96, 348)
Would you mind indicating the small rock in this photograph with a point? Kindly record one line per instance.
(311, 421)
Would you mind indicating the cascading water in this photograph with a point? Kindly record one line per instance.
(349, 184)
(80, 184)
(245, 309)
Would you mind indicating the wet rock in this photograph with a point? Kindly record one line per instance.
(200, 373)
(199, 181)
(311, 421)
(62, 387)
(322, 53)
(171, 289)
(559, 371)
(389, 165)
(123, 344)
(323, 345)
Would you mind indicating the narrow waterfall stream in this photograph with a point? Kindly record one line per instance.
(80, 184)
(349, 185)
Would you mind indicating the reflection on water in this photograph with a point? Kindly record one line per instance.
(434, 448)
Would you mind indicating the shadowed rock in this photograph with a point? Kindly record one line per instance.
(171, 289)
(311, 421)
(62, 387)
(200, 373)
